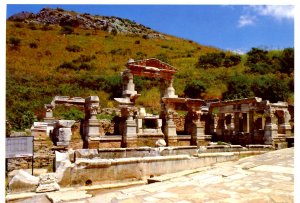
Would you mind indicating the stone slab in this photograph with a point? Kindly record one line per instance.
(274, 169)
(56, 197)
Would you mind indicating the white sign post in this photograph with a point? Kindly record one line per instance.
(18, 147)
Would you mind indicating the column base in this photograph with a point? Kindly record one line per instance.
(93, 144)
(172, 141)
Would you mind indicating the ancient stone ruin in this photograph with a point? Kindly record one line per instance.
(242, 121)
(137, 150)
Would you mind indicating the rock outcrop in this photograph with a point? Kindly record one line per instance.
(115, 25)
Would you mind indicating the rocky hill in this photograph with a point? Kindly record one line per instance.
(62, 17)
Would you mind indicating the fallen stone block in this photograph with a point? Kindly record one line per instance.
(23, 182)
(47, 183)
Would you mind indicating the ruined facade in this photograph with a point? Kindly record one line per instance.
(242, 121)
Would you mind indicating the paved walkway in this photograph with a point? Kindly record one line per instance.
(263, 178)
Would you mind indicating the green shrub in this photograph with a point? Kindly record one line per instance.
(32, 26)
(14, 42)
(33, 45)
(84, 59)
(66, 29)
(73, 114)
(68, 65)
(86, 66)
(19, 25)
(194, 89)
(46, 27)
(73, 48)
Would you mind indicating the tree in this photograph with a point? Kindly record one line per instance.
(239, 86)
(195, 89)
(257, 55)
(272, 88)
(215, 60)
(287, 60)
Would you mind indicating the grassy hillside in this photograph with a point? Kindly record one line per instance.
(44, 61)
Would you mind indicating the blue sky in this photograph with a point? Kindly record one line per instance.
(237, 28)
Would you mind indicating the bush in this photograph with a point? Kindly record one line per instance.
(73, 48)
(114, 32)
(287, 60)
(239, 86)
(66, 29)
(195, 89)
(68, 65)
(86, 66)
(19, 25)
(141, 55)
(33, 45)
(84, 58)
(272, 88)
(163, 57)
(215, 60)
(32, 26)
(46, 27)
(14, 42)
(73, 114)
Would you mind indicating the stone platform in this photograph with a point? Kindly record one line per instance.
(263, 178)
(267, 177)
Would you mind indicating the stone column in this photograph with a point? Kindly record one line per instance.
(139, 123)
(49, 114)
(246, 122)
(170, 129)
(271, 129)
(285, 127)
(129, 137)
(63, 132)
(236, 122)
(220, 125)
(159, 125)
(92, 124)
(128, 85)
(197, 133)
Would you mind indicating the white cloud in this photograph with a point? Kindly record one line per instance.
(246, 20)
(279, 12)
(238, 51)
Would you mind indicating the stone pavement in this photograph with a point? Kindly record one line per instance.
(267, 177)
(263, 178)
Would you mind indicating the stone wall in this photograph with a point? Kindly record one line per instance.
(95, 170)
